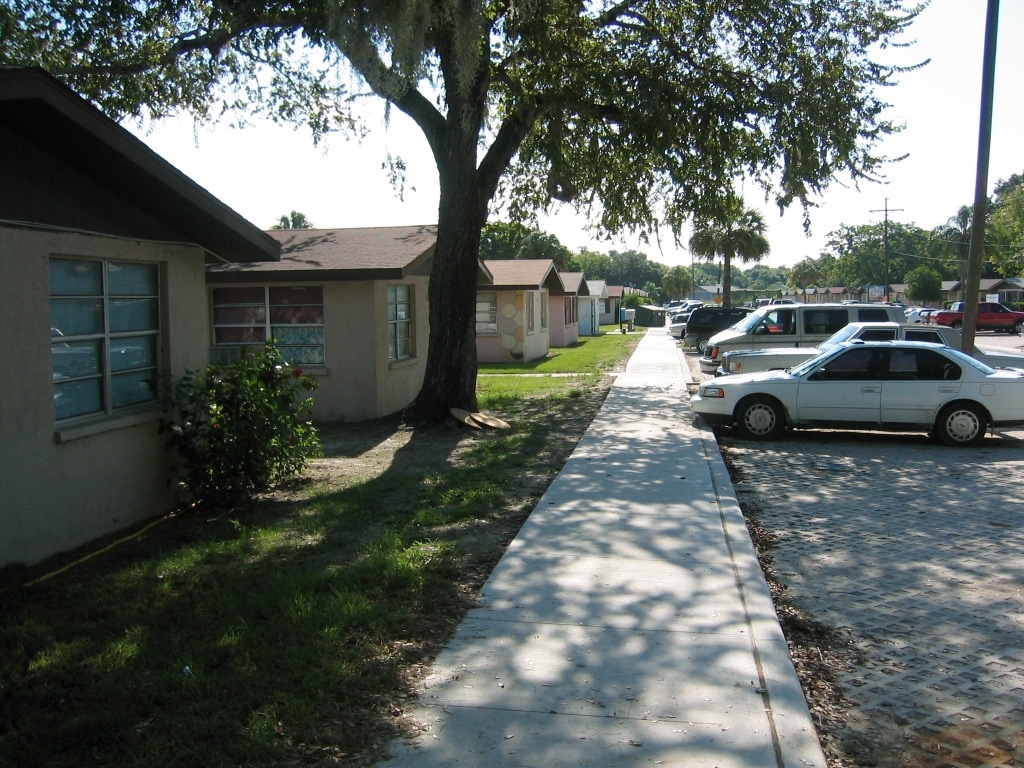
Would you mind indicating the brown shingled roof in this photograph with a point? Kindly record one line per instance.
(525, 274)
(372, 253)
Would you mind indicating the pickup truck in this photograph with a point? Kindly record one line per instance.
(777, 358)
(991, 317)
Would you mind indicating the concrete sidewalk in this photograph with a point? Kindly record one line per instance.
(628, 623)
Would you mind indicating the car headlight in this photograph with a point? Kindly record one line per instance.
(712, 392)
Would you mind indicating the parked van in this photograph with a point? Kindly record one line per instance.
(793, 325)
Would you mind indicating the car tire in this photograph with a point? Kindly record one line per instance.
(760, 418)
(961, 425)
(1018, 328)
(702, 345)
(957, 325)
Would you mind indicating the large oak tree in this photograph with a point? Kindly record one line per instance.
(641, 113)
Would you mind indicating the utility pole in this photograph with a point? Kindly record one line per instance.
(885, 242)
(988, 77)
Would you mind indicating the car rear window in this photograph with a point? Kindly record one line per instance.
(871, 315)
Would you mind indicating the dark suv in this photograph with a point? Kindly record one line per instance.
(705, 322)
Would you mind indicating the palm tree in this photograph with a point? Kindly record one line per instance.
(296, 220)
(802, 275)
(740, 233)
(955, 236)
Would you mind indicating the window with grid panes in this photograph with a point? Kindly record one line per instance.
(293, 316)
(400, 322)
(487, 312)
(104, 335)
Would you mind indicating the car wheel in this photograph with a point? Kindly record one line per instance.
(1018, 328)
(961, 424)
(760, 418)
(957, 326)
(702, 345)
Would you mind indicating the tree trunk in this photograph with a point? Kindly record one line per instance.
(450, 376)
(726, 279)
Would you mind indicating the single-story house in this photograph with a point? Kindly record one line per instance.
(512, 311)
(591, 307)
(612, 302)
(348, 306)
(103, 247)
(565, 309)
(1007, 290)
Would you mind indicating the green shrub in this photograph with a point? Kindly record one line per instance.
(242, 428)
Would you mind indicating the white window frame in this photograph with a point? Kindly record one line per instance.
(487, 313)
(529, 311)
(543, 310)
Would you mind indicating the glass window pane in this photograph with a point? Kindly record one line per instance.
(287, 334)
(135, 352)
(238, 296)
(133, 315)
(297, 295)
(256, 315)
(76, 359)
(70, 277)
(132, 279)
(77, 398)
(303, 355)
(131, 388)
(226, 335)
(308, 315)
(75, 317)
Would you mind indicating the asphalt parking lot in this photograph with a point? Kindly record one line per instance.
(914, 554)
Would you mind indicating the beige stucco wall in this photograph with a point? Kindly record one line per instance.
(357, 382)
(59, 490)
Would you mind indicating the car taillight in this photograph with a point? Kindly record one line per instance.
(714, 353)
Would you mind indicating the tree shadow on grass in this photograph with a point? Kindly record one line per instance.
(290, 631)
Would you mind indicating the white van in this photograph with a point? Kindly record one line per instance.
(793, 325)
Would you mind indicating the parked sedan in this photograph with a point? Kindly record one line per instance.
(898, 385)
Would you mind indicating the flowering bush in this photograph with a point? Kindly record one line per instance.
(242, 428)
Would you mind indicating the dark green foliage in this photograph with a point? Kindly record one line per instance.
(241, 429)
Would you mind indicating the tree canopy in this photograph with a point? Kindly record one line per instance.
(641, 113)
(738, 233)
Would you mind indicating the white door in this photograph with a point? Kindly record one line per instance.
(919, 382)
(847, 389)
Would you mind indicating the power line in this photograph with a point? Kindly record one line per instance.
(885, 241)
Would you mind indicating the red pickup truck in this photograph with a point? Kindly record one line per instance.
(991, 317)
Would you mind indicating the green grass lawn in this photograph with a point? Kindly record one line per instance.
(287, 633)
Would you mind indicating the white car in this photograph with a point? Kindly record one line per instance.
(771, 359)
(895, 385)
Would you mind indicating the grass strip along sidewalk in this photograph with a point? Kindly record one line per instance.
(291, 632)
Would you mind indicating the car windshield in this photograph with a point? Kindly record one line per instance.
(751, 321)
(843, 334)
(812, 364)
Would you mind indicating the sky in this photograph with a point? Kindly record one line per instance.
(266, 171)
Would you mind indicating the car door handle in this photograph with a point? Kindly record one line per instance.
(870, 389)
(949, 389)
